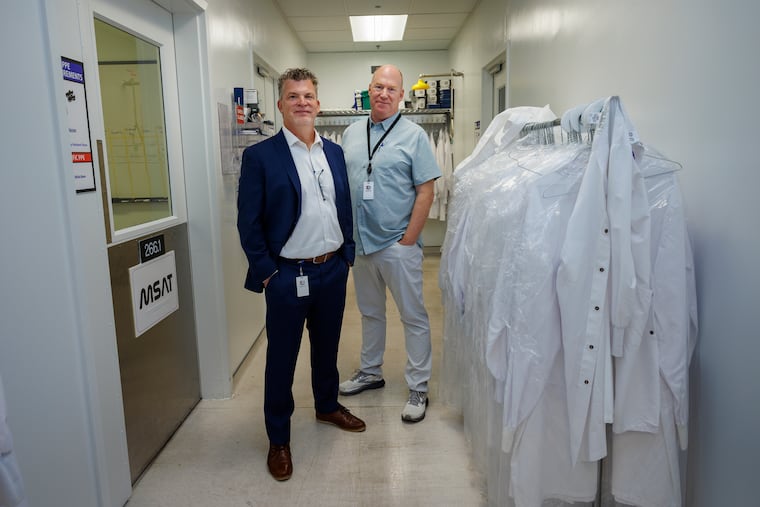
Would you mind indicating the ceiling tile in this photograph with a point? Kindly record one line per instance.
(370, 7)
(312, 8)
(430, 33)
(426, 45)
(372, 46)
(318, 23)
(331, 47)
(435, 20)
(326, 36)
(441, 6)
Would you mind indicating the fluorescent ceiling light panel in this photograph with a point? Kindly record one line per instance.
(378, 28)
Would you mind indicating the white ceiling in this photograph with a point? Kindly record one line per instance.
(323, 26)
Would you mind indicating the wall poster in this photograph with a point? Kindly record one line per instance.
(79, 124)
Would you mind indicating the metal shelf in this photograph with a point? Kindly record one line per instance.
(342, 117)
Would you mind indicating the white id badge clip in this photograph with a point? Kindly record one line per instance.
(302, 282)
(369, 190)
(302, 286)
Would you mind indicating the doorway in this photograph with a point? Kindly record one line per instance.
(142, 175)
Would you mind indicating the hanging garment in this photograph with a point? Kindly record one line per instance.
(524, 334)
(11, 486)
(518, 272)
(468, 180)
(448, 170)
(535, 405)
(603, 280)
(435, 206)
(440, 183)
(651, 377)
(667, 343)
(645, 466)
(541, 466)
(523, 201)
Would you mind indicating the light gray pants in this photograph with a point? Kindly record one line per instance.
(399, 268)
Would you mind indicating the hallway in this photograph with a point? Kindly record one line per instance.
(218, 456)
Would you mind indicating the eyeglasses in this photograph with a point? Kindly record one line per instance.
(378, 88)
(319, 183)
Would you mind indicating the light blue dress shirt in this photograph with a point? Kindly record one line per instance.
(403, 161)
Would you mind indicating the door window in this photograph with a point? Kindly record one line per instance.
(133, 113)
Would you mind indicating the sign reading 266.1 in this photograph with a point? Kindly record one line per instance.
(152, 247)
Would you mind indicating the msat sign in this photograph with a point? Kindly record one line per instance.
(154, 291)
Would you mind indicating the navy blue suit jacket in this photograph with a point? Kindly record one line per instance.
(269, 204)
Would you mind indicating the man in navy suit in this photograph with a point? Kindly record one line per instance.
(295, 224)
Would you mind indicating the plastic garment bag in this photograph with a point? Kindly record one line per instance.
(495, 275)
(505, 362)
(11, 485)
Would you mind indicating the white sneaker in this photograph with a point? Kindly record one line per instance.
(359, 382)
(414, 410)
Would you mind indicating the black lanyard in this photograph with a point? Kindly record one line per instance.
(371, 154)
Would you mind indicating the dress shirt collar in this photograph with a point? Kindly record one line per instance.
(386, 123)
(292, 139)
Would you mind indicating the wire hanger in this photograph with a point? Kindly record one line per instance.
(677, 166)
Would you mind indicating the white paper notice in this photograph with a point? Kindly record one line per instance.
(79, 125)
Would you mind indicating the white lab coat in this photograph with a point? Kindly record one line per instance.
(651, 382)
(603, 278)
(524, 334)
(435, 206)
(447, 168)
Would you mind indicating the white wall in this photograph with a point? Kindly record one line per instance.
(481, 39)
(237, 29)
(57, 341)
(687, 73)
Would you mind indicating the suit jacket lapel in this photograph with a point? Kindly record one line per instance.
(283, 149)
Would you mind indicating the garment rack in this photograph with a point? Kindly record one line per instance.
(529, 127)
(548, 137)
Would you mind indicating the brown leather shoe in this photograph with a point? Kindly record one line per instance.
(279, 462)
(343, 419)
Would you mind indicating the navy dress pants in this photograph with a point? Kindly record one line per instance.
(322, 313)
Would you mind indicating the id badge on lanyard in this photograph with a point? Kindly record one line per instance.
(368, 189)
(368, 192)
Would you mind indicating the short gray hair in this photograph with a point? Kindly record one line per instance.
(297, 74)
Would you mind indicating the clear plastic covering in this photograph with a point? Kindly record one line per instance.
(12, 492)
(503, 360)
